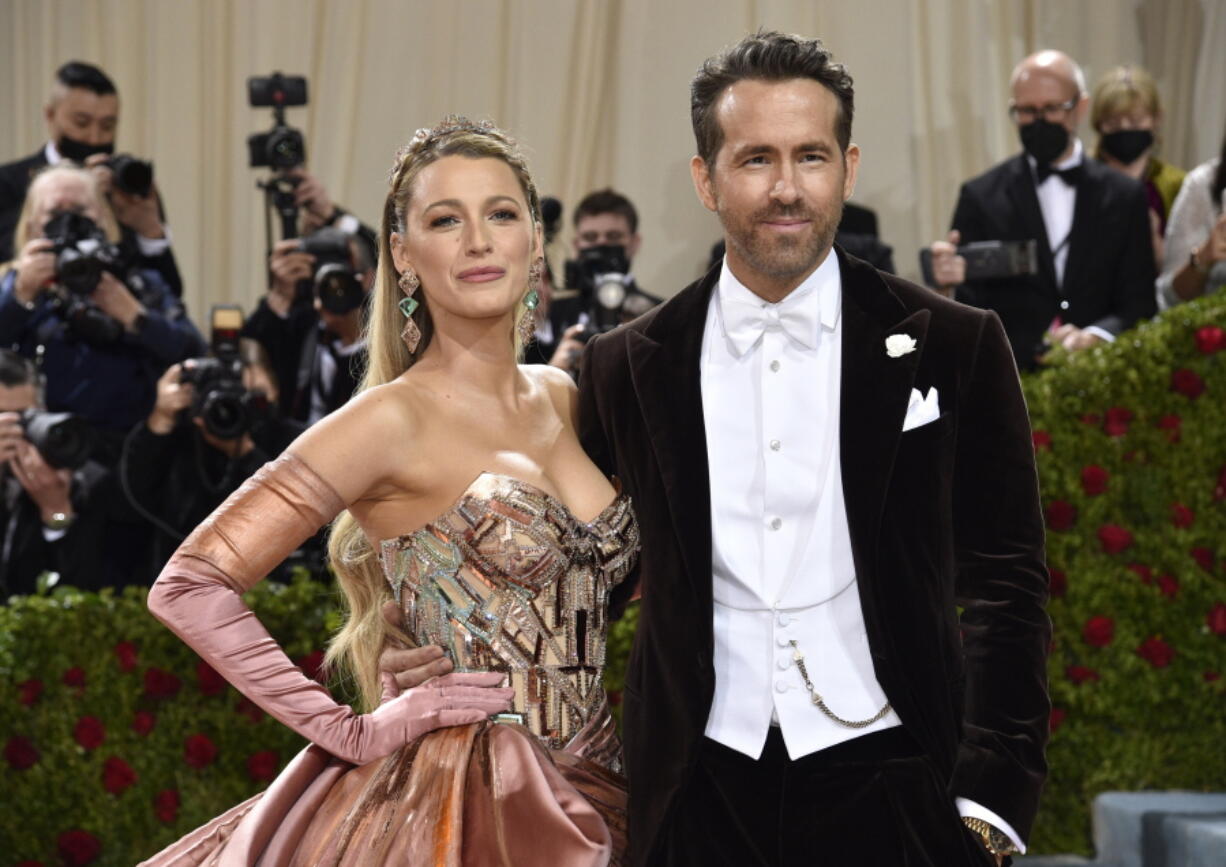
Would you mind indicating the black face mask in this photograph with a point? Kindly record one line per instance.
(1127, 144)
(1043, 140)
(79, 151)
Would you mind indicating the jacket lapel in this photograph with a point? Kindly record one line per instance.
(876, 389)
(1085, 220)
(1025, 202)
(664, 362)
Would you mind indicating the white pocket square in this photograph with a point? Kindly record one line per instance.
(921, 409)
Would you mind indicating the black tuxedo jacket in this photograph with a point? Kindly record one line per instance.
(15, 180)
(942, 516)
(1108, 276)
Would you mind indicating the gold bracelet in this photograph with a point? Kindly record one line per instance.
(994, 840)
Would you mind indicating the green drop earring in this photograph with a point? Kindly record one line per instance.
(411, 335)
(532, 300)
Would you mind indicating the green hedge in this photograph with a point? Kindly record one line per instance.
(1131, 444)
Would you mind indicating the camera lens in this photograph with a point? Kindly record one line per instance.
(63, 440)
(224, 415)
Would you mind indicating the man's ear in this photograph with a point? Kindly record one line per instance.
(632, 246)
(851, 167)
(704, 185)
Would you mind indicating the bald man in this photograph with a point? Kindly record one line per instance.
(1095, 276)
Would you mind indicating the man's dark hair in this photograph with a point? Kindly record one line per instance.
(607, 201)
(15, 370)
(74, 73)
(766, 56)
(1219, 177)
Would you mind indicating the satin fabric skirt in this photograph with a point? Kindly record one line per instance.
(467, 796)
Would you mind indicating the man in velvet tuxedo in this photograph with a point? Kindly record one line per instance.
(1096, 272)
(827, 463)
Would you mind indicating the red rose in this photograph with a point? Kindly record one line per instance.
(1219, 489)
(312, 665)
(1181, 515)
(1041, 440)
(1217, 619)
(262, 766)
(1094, 480)
(1079, 674)
(29, 691)
(125, 655)
(249, 709)
(29, 864)
(1147, 574)
(166, 805)
(208, 680)
(1057, 717)
(1168, 585)
(117, 775)
(1188, 383)
(199, 751)
(89, 732)
(1156, 652)
(1115, 423)
(1211, 676)
(143, 722)
(75, 677)
(1171, 424)
(1098, 631)
(1058, 585)
(78, 847)
(1091, 418)
(1061, 515)
(1210, 339)
(1203, 558)
(1113, 538)
(160, 684)
(21, 753)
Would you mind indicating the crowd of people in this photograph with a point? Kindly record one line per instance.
(1096, 239)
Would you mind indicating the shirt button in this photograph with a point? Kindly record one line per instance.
(774, 367)
(776, 523)
(783, 619)
(783, 663)
(780, 686)
(782, 641)
(1064, 305)
(776, 445)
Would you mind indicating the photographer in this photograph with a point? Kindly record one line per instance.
(310, 321)
(103, 338)
(82, 117)
(46, 522)
(214, 424)
(602, 291)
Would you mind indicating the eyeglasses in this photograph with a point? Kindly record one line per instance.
(1053, 111)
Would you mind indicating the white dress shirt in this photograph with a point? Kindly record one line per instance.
(782, 566)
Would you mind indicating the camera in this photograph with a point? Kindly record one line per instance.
(81, 251)
(282, 147)
(986, 260)
(131, 175)
(599, 274)
(227, 408)
(64, 440)
(335, 283)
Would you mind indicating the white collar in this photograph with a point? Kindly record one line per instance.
(816, 299)
(52, 154)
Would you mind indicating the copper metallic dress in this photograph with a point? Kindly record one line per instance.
(506, 580)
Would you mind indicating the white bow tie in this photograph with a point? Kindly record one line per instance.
(744, 321)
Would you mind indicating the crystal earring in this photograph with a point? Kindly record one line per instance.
(411, 334)
(527, 321)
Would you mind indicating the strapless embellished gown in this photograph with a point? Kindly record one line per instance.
(507, 579)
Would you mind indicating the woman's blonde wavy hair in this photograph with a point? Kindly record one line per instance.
(26, 231)
(355, 649)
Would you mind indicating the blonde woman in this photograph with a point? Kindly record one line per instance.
(463, 496)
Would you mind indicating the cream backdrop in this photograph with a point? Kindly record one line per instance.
(596, 91)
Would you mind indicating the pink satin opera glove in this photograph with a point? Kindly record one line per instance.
(198, 597)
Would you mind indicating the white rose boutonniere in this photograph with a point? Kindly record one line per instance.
(898, 345)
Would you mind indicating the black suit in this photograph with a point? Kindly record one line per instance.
(1108, 276)
(15, 180)
(947, 514)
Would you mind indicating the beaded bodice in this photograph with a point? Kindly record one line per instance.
(508, 579)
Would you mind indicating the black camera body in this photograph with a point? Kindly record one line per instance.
(64, 440)
(989, 260)
(131, 175)
(226, 406)
(599, 274)
(82, 252)
(335, 282)
(282, 147)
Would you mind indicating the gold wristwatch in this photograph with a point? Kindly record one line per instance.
(994, 840)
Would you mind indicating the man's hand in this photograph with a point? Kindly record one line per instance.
(114, 299)
(570, 347)
(48, 487)
(1073, 338)
(948, 268)
(139, 213)
(35, 269)
(11, 435)
(288, 265)
(404, 668)
(313, 198)
(173, 396)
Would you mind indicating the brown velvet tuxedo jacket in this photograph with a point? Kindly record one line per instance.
(942, 516)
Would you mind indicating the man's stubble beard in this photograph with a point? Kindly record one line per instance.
(782, 256)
